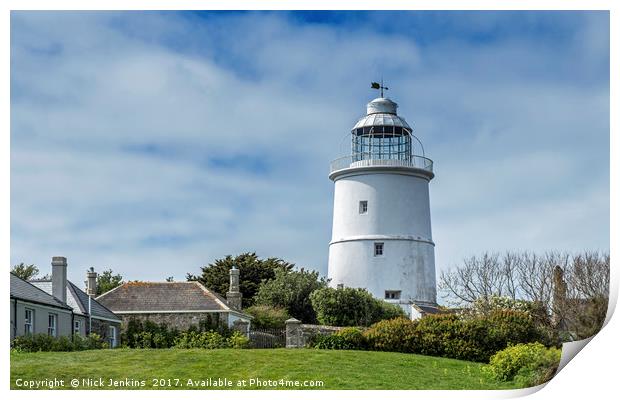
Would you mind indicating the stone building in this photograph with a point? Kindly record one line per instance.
(179, 305)
(89, 316)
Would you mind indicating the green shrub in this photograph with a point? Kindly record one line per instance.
(238, 341)
(391, 335)
(203, 340)
(268, 317)
(43, 342)
(291, 290)
(350, 338)
(350, 307)
(95, 341)
(354, 337)
(31, 343)
(529, 363)
(331, 342)
(383, 310)
(449, 335)
(62, 343)
(148, 335)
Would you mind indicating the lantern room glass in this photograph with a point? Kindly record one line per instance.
(381, 143)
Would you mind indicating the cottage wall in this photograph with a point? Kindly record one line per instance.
(102, 328)
(41, 314)
(180, 321)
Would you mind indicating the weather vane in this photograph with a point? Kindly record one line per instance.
(377, 85)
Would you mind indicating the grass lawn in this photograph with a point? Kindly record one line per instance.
(337, 369)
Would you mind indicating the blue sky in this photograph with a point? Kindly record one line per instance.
(154, 142)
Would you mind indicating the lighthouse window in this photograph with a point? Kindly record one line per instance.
(378, 249)
(363, 207)
(392, 294)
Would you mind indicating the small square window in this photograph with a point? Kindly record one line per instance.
(378, 249)
(363, 206)
(392, 294)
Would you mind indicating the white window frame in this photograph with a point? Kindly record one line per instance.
(52, 324)
(112, 335)
(379, 249)
(363, 207)
(28, 321)
(77, 326)
(392, 294)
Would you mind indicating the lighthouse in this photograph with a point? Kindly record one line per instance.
(381, 233)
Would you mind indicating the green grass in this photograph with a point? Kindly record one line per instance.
(337, 369)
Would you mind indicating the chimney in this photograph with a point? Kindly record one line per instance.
(91, 282)
(233, 296)
(59, 278)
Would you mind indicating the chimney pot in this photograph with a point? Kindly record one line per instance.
(59, 278)
(91, 282)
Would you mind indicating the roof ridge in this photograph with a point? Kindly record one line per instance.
(217, 298)
(41, 290)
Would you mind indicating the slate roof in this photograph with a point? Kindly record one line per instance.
(427, 308)
(78, 300)
(24, 290)
(162, 297)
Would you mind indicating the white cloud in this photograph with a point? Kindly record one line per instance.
(124, 128)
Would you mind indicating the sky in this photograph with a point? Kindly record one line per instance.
(153, 143)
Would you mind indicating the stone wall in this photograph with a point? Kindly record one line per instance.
(298, 334)
(180, 321)
(102, 328)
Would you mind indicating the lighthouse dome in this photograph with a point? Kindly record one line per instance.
(381, 105)
(381, 112)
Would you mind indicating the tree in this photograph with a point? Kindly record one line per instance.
(26, 272)
(107, 281)
(170, 279)
(268, 317)
(351, 307)
(291, 290)
(571, 291)
(252, 272)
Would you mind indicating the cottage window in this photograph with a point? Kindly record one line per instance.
(77, 327)
(363, 207)
(51, 326)
(378, 249)
(29, 322)
(112, 336)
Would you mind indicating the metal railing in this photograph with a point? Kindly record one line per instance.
(354, 161)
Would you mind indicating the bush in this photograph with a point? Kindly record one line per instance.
(392, 335)
(62, 343)
(350, 338)
(291, 290)
(383, 310)
(449, 335)
(267, 317)
(147, 335)
(530, 364)
(350, 307)
(238, 341)
(203, 340)
(43, 342)
(354, 336)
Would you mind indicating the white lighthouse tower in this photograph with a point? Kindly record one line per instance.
(381, 235)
